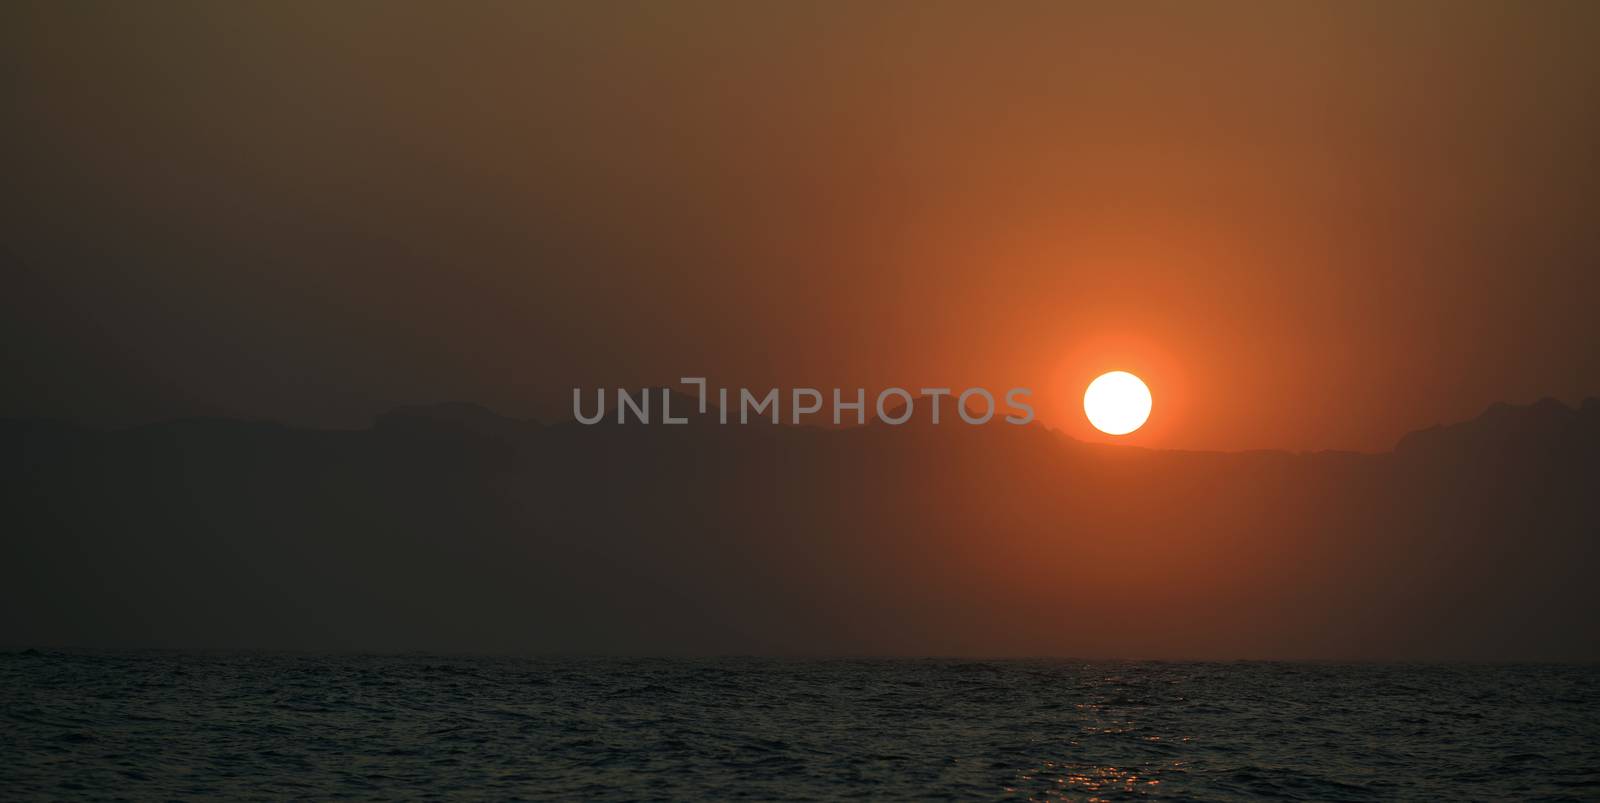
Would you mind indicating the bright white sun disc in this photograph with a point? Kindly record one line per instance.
(1117, 403)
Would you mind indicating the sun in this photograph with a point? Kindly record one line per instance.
(1117, 403)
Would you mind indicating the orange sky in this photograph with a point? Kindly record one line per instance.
(1305, 227)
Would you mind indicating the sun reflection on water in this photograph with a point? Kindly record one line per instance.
(1070, 781)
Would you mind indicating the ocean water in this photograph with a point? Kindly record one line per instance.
(262, 725)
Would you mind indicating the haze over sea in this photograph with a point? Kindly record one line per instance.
(274, 725)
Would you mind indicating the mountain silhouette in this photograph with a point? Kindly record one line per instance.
(450, 527)
(1546, 428)
(453, 418)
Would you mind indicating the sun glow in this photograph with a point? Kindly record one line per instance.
(1117, 403)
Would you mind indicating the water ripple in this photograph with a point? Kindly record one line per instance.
(154, 724)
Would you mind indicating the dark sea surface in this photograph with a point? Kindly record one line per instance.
(263, 725)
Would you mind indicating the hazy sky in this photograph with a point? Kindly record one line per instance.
(1305, 225)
